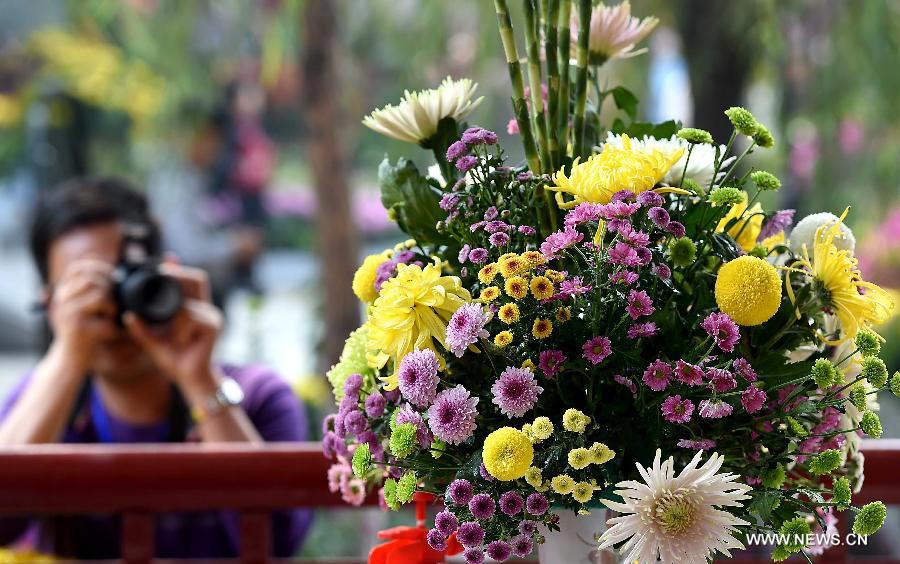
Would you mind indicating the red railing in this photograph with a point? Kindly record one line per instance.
(140, 481)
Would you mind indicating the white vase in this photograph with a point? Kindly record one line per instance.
(576, 541)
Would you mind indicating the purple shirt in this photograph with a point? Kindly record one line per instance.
(275, 413)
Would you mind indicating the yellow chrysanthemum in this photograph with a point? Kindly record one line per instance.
(615, 168)
(562, 484)
(582, 492)
(575, 421)
(509, 313)
(579, 458)
(748, 289)
(507, 454)
(503, 338)
(601, 454)
(555, 275)
(855, 302)
(516, 287)
(749, 222)
(542, 427)
(534, 477)
(512, 264)
(534, 258)
(487, 273)
(542, 328)
(773, 241)
(542, 288)
(364, 278)
(411, 312)
(489, 294)
(563, 314)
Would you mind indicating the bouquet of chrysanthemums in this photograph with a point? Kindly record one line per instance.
(615, 323)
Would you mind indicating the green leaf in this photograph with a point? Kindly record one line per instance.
(639, 129)
(411, 199)
(625, 101)
(764, 502)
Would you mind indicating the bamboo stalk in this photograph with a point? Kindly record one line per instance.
(562, 105)
(584, 30)
(520, 105)
(550, 11)
(532, 24)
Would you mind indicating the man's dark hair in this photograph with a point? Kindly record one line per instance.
(82, 202)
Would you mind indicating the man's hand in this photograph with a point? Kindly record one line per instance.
(81, 310)
(183, 347)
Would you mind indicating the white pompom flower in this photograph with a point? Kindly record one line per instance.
(804, 233)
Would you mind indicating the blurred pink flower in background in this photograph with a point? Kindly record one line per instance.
(879, 255)
(804, 154)
(851, 135)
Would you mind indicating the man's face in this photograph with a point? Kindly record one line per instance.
(117, 355)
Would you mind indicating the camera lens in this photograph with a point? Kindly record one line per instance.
(152, 296)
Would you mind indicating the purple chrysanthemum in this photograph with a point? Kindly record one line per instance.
(352, 385)
(496, 226)
(499, 239)
(687, 373)
(482, 506)
(499, 550)
(659, 216)
(676, 228)
(527, 230)
(550, 362)
(460, 491)
(522, 546)
(375, 404)
(478, 255)
(639, 304)
(456, 150)
(537, 504)
(701, 444)
(623, 196)
(463, 254)
(449, 201)
(527, 527)
(466, 326)
(583, 213)
(596, 350)
(650, 199)
(474, 555)
(406, 414)
(714, 409)
(624, 254)
(779, 221)
(753, 399)
(355, 422)
(745, 370)
(516, 391)
(418, 377)
(436, 540)
(466, 163)
(452, 416)
(661, 270)
(491, 213)
(722, 329)
(446, 522)
(657, 375)
(677, 410)
(639, 330)
(625, 277)
(511, 503)
(721, 379)
(470, 534)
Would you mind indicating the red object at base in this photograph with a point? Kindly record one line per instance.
(408, 545)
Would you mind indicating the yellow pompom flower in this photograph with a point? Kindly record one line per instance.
(856, 303)
(542, 328)
(489, 294)
(507, 454)
(534, 477)
(542, 427)
(534, 258)
(582, 492)
(563, 314)
(555, 275)
(503, 338)
(411, 312)
(516, 287)
(614, 168)
(542, 288)
(487, 273)
(575, 421)
(579, 458)
(748, 289)
(601, 454)
(512, 264)
(744, 231)
(562, 484)
(509, 313)
(364, 278)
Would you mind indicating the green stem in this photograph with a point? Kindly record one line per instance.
(532, 25)
(735, 164)
(564, 47)
(520, 105)
(584, 31)
(721, 160)
(550, 11)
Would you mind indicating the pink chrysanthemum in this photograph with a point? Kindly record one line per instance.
(639, 330)
(550, 362)
(574, 286)
(625, 277)
(452, 417)
(596, 350)
(560, 240)
(633, 237)
(701, 444)
(627, 382)
(742, 367)
(516, 391)
(687, 373)
(583, 213)
(639, 304)
(619, 210)
(714, 409)
(657, 375)
(677, 410)
(753, 399)
(418, 377)
(721, 379)
(466, 326)
(722, 329)
(624, 254)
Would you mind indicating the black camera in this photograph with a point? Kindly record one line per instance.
(138, 284)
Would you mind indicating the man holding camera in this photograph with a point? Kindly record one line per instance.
(130, 361)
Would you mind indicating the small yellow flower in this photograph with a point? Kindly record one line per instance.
(512, 265)
(542, 428)
(509, 313)
(555, 275)
(575, 421)
(516, 287)
(563, 314)
(748, 289)
(489, 294)
(487, 273)
(579, 458)
(526, 428)
(562, 484)
(582, 492)
(534, 258)
(507, 454)
(505, 256)
(528, 364)
(364, 278)
(601, 454)
(746, 223)
(542, 288)
(534, 478)
(541, 328)
(503, 338)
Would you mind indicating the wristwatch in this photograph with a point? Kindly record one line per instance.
(228, 394)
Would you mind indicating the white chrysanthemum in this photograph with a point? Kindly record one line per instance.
(804, 233)
(700, 167)
(614, 32)
(416, 117)
(676, 518)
